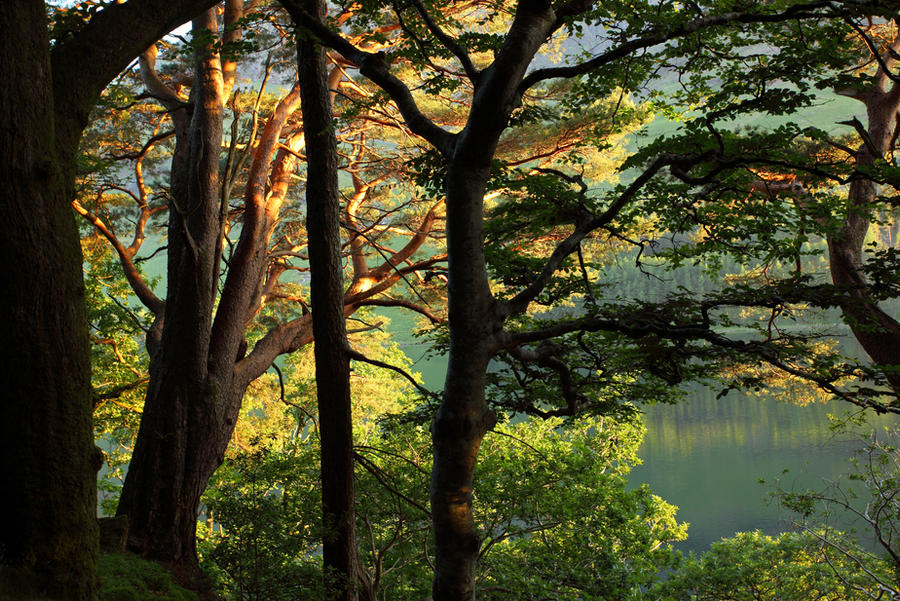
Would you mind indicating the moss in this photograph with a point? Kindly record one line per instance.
(127, 577)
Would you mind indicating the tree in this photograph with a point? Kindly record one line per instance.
(554, 507)
(876, 330)
(876, 87)
(801, 182)
(638, 38)
(851, 525)
(200, 364)
(751, 566)
(323, 222)
(48, 534)
(260, 311)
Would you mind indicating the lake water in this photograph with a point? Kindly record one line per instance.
(708, 455)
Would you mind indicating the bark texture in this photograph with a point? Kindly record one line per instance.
(475, 318)
(339, 552)
(48, 531)
(48, 539)
(877, 332)
(187, 420)
(200, 364)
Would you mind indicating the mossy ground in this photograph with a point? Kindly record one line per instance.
(126, 577)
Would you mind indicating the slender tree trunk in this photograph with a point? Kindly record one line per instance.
(48, 461)
(463, 417)
(329, 326)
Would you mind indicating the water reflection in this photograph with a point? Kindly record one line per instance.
(707, 456)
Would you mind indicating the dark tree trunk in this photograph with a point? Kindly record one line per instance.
(190, 409)
(48, 462)
(329, 326)
(463, 417)
(475, 317)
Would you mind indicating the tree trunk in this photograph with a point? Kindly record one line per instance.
(877, 332)
(48, 461)
(329, 326)
(190, 410)
(463, 417)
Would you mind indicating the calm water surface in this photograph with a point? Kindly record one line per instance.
(707, 456)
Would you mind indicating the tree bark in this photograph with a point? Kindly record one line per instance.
(463, 417)
(877, 332)
(48, 462)
(475, 318)
(200, 367)
(48, 539)
(329, 326)
(190, 409)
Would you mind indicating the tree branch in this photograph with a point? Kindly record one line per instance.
(396, 302)
(378, 473)
(135, 279)
(519, 303)
(448, 41)
(654, 38)
(375, 66)
(357, 356)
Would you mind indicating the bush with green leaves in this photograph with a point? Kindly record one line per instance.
(752, 566)
(556, 517)
(260, 539)
(846, 547)
(855, 521)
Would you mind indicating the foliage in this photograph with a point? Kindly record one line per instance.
(127, 577)
(865, 555)
(754, 567)
(260, 540)
(119, 364)
(558, 518)
(845, 546)
(555, 514)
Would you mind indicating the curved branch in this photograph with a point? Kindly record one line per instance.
(103, 48)
(135, 280)
(279, 340)
(159, 89)
(520, 301)
(397, 302)
(357, 356)
(448, 41)
(884, 68)
(376, 68)
(655, 38)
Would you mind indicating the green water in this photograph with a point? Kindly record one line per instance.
(708, 455)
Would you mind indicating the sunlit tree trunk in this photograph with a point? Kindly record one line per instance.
(475, 317)
(185, 425)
